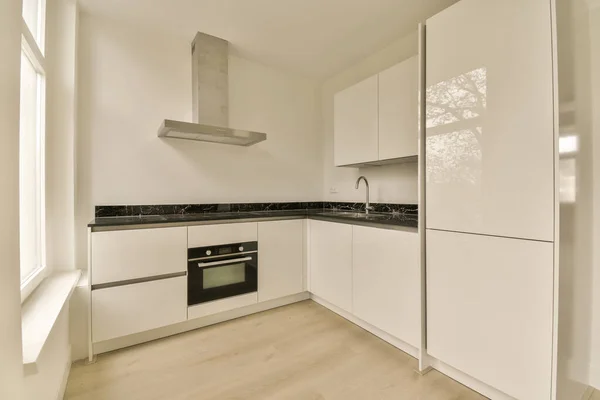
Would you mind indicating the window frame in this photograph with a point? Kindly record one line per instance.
(34, 53)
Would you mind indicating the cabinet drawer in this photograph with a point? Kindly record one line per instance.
(128, 309)
(211, 235)
(123, 255)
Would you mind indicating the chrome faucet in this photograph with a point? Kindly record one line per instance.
(368, 205)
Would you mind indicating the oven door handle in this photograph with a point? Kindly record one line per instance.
(213, 263)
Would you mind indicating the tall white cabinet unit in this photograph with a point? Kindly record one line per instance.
(490, 193)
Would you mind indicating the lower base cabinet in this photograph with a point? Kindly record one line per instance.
(331, 263)
(281, 259)
(386, 288)
(124, 310)
(489, 310)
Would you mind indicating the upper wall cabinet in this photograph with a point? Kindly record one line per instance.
(489, 129)
(375, 121)
(355, 123)
(398, 110)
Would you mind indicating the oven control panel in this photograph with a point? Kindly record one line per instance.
(222, 250)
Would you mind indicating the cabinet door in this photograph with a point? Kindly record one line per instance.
(212, 235)
(355, 123)
(386, 276)
(139, 253)
(128, 309)
(398, 110)
(281, 257)
(330, 267)
(489, 309)
(490, 138)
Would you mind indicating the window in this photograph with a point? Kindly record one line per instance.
(31, 147)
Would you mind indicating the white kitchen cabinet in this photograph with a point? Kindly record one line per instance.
(331, 263)
(139, 253)
(376, 119)
(398, 110)
(386, 281)
(355, 123)
(489, 131)
(490, 309)
(124, 310)
(281, 259)
(212, 235)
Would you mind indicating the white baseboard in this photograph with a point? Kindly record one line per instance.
(594, 376)
(445, 369)
(469, 381)
(63, 385)
(588, 393)
(398, 343)
(131, 340)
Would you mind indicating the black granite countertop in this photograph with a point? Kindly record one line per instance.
(406, 220)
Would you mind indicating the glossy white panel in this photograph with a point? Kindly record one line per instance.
(489, 309)
(489, 119)
(355, 123)
(281, 259)
(386, 281)
(398, 110)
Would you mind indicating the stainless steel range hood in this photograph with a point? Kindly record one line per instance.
(210, 94)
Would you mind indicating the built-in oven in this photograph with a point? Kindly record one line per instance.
(218, 272)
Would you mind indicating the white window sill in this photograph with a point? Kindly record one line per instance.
(40, 312)
(31, 283)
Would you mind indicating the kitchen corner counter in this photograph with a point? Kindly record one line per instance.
(396, 221)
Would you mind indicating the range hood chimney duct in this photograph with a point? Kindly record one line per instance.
(210, 95)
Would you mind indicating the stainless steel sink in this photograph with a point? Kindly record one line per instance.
(353, 214)
(376, 216)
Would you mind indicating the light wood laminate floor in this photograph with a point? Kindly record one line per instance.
(302, 351)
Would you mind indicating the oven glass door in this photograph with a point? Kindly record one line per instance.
(222, 277)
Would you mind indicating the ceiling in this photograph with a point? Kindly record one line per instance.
(315, 38)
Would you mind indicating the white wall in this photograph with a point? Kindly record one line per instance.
(61, 32)
(389, 184)
(579, 91)
(11, 361)
(61, 39)
(595, 112)
(576, 250)
(131, 78)
(53, 364)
